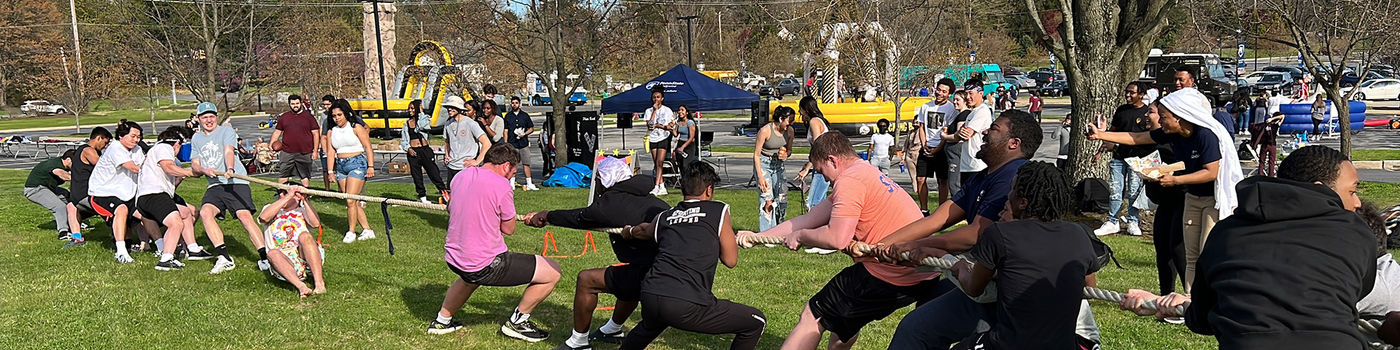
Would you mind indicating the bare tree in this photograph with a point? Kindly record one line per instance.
(1103, 45)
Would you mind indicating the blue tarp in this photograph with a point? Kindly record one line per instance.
(684, 86)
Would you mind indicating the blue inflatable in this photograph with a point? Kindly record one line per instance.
(1298, 117)
(574, 175)
(184, 155)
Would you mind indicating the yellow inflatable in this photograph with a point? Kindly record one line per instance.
(861, 115)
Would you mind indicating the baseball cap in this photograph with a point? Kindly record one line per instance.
(205, 107)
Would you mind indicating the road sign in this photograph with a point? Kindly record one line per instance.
(1241, 54)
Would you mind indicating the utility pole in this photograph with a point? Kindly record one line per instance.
(690, 59)
(383, 85)
(77, 50)
(63, 55)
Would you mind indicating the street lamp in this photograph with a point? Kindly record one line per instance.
(690, 60)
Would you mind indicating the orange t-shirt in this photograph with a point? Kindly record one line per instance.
(882, 207)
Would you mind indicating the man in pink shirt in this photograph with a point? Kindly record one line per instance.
(865, 206)
(476, 250)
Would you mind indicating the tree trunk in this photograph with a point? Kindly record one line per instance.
(1095, 96)
(1343, 116)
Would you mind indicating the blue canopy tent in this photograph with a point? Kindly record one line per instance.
(684, 86)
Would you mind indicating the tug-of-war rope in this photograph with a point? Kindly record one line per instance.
(1366, 326)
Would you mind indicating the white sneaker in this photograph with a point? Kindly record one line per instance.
(263, 265)
(1108, 228)
(531, 187)
(349, 237)
(1174, 320)
(661, 190)
(123, 258)
(221, 265)
(1133, 229)
(367, 234)
(424, 200)
(815, 250)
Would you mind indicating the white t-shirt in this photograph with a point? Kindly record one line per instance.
(110, 178)
(979, 121)
(881, 144)
(1385, 297)
(153, 178)
(659, 117)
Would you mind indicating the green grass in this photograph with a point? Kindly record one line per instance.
(51, 298)
(1375, 154)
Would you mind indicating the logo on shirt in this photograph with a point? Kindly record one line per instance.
(688, 216)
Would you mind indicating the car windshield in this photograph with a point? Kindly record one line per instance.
(1368, 83)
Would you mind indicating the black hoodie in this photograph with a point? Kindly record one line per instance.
(1285, 271)
(625, 203)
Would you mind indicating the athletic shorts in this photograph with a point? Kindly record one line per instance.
(854, 298)
(84, 206)
(524, 156)
(934, 165)
(352, 167)
(106, 207)
(294, 165)
(663, 144)
(624, 280)
(156, 206)
(506, 270)
(230, 198)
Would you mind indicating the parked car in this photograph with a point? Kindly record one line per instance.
(40, 107)
(1160, 71)
(1269, 81)
(1021, 80)
(1376, 89)
(1350, 78)
(787, 86)
(1054, 88)
(1042, 77)
(1293, 72)
(1009, 70)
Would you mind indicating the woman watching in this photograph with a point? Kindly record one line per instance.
(348, 139)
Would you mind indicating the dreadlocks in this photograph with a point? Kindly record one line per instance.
(1045, 190)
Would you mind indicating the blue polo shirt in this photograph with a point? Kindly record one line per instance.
(1197, 150)
(984, 194)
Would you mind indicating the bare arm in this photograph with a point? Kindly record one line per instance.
(1205, 175)
(947, 215)
(974, 280)
(957, 240)
(728, 245)
(276, 135)
(174, 170)
(508, 227)
(836, 235)
(645, 230)
(481, 151)
(266, 216)
(757, 154)
(312, 218)
(363, 134)
(819, 216)
(90, 155)
(62, 174)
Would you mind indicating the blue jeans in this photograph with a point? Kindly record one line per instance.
(352, 167)
(818, 190)
(771, 169)
(940, 323)
(1125, 184)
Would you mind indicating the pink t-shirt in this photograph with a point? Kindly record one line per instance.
(882, 208)
(481, 201)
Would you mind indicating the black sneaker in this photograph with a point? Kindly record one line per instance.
(598, 335)
(440, 328)
(526, 331)
(168, 265)
(202, 255)
(65, 236)
(565, 346)
(219, 216)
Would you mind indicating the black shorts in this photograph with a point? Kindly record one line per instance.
(854, 298)
(506, 270)
(625, 280)
(84, 206)
(156, 206)
(934, 165)
(230, 198)
(106, 207)
(662, 145)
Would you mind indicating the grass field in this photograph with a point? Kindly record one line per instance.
(80, 298)
(1375, 154)
(102, 118)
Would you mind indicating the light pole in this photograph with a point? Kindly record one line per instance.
(379, 52)
(690, 60)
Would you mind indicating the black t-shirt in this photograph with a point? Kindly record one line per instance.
(1197, 150)
(82, 172)
(514, 120)
(687, 237)
(1040, 268)
(1130, 119)
(984, 194)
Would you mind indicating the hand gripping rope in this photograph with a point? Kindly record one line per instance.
(1365, 326)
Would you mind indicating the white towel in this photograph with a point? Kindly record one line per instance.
(1190, 105)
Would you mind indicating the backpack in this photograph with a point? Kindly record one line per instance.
(1091, 194)
(1392, 220)
(574, 175)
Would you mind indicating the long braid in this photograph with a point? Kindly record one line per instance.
(1046, 192)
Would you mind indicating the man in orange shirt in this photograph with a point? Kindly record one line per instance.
(865, 206)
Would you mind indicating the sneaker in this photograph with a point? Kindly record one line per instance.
(1134, 230)
(349, 237)
(221, 265)
(77, 243)
(123, 258)
(531, 187)
(598, 335)
(263, 265)
(1172, 320)
(565, 345)
(526, 331)
(65, 236)
(815, 250)
(1108, 228)
(219, 216)
(424, 200)
(367, 234)
(661, 190)
(168, 265)
(440, 328)
(202, 255)
(84, 225)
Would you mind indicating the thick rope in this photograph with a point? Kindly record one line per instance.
(1365, 326)
(615, 230)
(331, 194)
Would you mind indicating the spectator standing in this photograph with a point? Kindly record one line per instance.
(519, 127)
(978, 121)
(299, 137)
(348, 140)
(879, 151)
(466, 141)
(951, 143)
(1125, 185)
(491, 121)
(1265, 136)
(771, 149)
(1061, 134)
(661, 122)
(1036, 105)
(1319, 113)
(930, 120)
(687, 146)
(421, 157)
(1242, 109)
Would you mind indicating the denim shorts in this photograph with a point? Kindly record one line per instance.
(353, 167)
